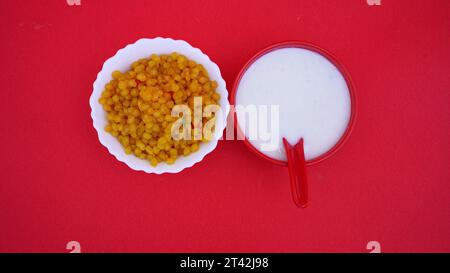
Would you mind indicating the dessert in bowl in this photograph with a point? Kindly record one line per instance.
(134, 98)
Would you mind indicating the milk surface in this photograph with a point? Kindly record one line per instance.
(313, 98)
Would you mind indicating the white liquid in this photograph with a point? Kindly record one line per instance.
(313, 98)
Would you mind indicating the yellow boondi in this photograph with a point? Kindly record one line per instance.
(138, 104)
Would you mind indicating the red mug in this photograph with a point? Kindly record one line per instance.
(295, 154)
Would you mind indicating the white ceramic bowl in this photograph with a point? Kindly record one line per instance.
(122, 61)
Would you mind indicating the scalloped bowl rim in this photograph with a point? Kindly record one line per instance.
(122, 60)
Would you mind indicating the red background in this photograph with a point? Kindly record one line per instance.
(389, 183)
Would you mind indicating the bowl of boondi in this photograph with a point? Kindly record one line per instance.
(159, 105)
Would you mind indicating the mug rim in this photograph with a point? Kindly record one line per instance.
(330, 57)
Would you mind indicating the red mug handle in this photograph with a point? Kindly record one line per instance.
(297, 172)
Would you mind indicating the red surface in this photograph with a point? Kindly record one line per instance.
(389, 183)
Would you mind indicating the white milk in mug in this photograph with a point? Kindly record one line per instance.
(312, 97)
